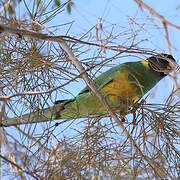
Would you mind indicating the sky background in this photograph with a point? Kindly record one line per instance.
(119, 15)
(87, 14)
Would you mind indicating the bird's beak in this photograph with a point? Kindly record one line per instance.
(173, 66)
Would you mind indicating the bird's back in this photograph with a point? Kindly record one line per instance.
(121, 86)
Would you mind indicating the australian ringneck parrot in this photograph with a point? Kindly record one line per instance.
(121, 86)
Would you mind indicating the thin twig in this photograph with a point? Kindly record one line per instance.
(17, 166)
(5, 7)
(165, 23)
(156, 14)
(93, 88)
(25, 33)
(11, 155)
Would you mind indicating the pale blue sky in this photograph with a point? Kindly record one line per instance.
(87, 13)
(120, 15)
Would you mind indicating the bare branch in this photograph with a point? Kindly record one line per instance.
(156, 14)
(18, 167)
(25, 33)
(91, 85)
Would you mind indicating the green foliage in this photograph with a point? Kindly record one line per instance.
(57, 3)
(11, 7)
(69, 6)
(11, 10)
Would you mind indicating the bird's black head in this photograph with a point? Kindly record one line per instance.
(162, 63)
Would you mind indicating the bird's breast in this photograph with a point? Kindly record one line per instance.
(121, 87)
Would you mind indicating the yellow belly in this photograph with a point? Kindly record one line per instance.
(122, 88)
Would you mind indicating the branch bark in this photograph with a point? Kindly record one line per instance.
(93, 88)
(143, 5)
(88, 81)
(36, 35)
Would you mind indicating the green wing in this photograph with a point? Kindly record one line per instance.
(104, 78)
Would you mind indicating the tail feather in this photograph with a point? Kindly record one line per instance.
(59, 106)
(44, 115)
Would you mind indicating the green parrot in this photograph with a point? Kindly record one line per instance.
(121, 86)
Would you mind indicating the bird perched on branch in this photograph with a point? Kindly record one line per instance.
(121, 86)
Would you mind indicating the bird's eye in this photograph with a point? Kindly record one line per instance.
(155, 66)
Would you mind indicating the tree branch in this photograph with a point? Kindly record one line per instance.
(84, 75)
(36, 35)
(93, 88)
(143, 5)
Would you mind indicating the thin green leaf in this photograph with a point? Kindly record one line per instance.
(57, 3)
(10, 10)
(69, 6)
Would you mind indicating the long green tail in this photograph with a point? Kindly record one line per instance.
(45, 115)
